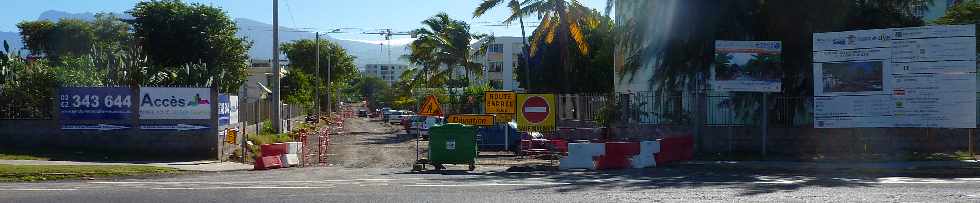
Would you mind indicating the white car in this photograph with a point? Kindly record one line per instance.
(430, 121)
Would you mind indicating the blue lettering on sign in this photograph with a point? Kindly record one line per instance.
(95, 103)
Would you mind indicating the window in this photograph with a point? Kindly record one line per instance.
(495, 67)
(496, 48)
(497, 84)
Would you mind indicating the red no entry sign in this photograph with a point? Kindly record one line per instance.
(535, 109)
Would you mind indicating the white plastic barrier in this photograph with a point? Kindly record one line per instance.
(289, 160)
(581, 155)
(646, 158)
(294, 147)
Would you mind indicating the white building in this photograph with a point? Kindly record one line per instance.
(259, 72)
(500, 62)
(388, 72)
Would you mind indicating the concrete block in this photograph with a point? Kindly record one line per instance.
(576, 163)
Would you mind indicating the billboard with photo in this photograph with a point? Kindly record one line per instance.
(747, 66)
(901, 77)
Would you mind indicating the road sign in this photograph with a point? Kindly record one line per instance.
(499, 102)
(231, 136)
(472, 119)
(430, 107)
(536, 112)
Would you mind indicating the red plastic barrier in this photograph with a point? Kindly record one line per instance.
(275, 149)
(676, 148)
(612, 162)
(560, 145)
(268, 162)
(623, 149)
(617, 155)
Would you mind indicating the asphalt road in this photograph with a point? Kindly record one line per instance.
(333, 184)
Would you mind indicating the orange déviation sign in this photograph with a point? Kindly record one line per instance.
(430, 107)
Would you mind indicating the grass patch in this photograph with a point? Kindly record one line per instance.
(10, 156)
(11, 173)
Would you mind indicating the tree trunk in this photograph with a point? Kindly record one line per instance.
(564, 45)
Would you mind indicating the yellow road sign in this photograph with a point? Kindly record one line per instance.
(430, 107)
(536, 112)
(499, 102)
(231, 136)
(471, 119)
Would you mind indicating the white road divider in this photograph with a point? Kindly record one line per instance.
(582, 155)
(646, 157)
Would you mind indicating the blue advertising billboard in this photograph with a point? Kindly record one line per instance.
(95, 103)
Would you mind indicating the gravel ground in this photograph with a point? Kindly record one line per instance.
(368, 144)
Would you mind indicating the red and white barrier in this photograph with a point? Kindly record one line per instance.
(582, 155)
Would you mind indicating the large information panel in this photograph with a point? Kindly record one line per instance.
(922, 77)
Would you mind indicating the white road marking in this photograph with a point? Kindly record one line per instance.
(485, 184)
(232, 188)
(37, 189)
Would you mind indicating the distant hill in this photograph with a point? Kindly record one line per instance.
(257, 32)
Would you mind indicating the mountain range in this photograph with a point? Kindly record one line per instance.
(260, 34)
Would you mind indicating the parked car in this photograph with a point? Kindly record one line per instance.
(430, 121)
(415, 125)
(406, 121)
(401, 117)
(395, 117)
(362, 113)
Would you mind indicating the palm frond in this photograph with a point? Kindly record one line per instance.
(485, 6)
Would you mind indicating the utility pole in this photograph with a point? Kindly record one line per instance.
(276, 104)
(329, 69)
(318, 78)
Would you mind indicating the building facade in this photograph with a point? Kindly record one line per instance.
(500, 62)
(390, 73)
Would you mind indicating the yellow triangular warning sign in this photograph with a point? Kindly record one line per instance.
(430, 107)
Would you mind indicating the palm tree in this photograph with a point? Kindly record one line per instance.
(558, 20)
(445, 42)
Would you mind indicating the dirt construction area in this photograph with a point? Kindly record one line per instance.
(371, 143)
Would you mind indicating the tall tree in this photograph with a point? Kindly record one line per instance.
(302, 57)
(65, 37)
(443, 45)
(559, 19)
(596, 66)
(194, 42)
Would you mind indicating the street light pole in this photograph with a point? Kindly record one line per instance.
(276, 104)
(318, 78)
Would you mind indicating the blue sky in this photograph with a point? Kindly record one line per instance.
(399, 15)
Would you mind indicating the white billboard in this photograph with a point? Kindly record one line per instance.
(901, 77)
(175, 103)
(747, 66)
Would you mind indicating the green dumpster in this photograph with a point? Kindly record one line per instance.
(452, 143)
